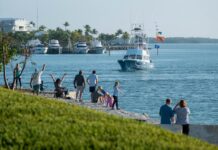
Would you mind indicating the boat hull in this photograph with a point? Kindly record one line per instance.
(97, 50)
(54, 51)
(41, 50)
(128, 65)
(81, 51)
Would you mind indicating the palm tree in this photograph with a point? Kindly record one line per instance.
(119, 31)
(87, 29)
(125, 36)
(32, 23)
(42, 28)
(80, 31)
(66, 24)
(94, 31)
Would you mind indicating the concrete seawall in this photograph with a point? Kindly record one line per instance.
(207, 133)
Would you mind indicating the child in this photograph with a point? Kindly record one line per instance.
(115, 95)
(108, 100)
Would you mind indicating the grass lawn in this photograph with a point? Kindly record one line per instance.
(30, 122)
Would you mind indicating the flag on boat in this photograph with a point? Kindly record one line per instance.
(159, 37)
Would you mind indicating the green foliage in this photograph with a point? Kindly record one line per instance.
(6, 44)
(106, 38)
(29, 122)
(126, 36)
(77, 36)
(60, 35)
(119, 32)
(42, 28)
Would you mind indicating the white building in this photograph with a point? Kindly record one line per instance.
(15, 24)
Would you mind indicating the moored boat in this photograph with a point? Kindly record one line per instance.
(97, 48)
(39, 49)
(54, 47)
(80, 48)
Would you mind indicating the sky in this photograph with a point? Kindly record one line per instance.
(175, 18)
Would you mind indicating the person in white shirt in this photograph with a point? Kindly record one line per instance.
(182, 116)
(36, 81)
(92, 81)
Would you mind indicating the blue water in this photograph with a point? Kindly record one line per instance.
(181, 71)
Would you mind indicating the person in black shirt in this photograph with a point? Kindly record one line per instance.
(79, 84)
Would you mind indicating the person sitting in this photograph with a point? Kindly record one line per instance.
(59, 90)
(96, 96)
(102, 92)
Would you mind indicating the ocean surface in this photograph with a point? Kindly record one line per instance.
(180, 71)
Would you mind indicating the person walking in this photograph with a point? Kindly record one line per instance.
(182, 116)
(116, 94)
(166, 113)
(36, 81)
(92, 81)
(79, 84)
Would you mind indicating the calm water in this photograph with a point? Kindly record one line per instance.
(188, 71)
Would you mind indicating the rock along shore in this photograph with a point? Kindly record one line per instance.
(97, 106)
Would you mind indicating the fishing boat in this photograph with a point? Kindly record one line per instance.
(97, 48)
(54, 47)
(137, 57)
(80, 48)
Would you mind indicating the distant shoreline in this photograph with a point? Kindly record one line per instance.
(125, 47)
(186, 40)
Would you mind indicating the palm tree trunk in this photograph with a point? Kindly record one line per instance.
(4, 66)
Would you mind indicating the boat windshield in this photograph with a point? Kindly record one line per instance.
(132, 57)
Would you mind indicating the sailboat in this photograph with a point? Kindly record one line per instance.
(138, 57)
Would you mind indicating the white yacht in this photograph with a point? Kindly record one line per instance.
(36, 47)
(138, 57)
(54, 47)
(80, 48)
(39, 49)
(97, 48)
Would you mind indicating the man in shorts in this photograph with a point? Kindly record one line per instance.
(79, 83)
(92, 80)
(36, 81)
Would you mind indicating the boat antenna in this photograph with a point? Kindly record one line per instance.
(37, 15)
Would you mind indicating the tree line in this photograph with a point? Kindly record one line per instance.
(63, 35)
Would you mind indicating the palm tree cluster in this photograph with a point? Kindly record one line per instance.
(64, 34)
(87, 34)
